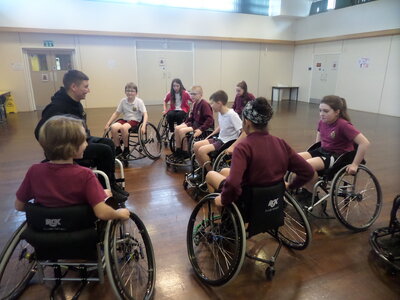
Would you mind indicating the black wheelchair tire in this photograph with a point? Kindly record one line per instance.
(113, 237)
(9, 249)
(338, 191)
(157, 140)
(296, 232)
(233, 215)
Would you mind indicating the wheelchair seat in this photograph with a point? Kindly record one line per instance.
(55, 233)
(262, 208)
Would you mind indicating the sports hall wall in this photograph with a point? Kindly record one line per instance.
(226, 48)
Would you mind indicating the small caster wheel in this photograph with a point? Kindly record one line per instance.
(269, 273)
(125, 163)
(168, 164)
(185, 185)
(175, 169)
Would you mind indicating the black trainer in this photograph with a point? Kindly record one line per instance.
(126, 152)
(118, 151)
(119, 189)
(119, 197)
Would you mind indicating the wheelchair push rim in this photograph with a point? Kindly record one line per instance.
(17, 265)
(356, 199)
(216, 242)
(130, 259)
(296, 232)
(150, 141)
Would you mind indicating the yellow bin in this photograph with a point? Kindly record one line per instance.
(10, 105)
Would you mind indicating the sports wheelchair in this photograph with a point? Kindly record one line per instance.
(70, 240)
(386, 241)
(190, 140)
(218, 160)
(216, 237)
(141, 145)
(356, 199)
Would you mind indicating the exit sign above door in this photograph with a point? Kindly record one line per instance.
(48, 43)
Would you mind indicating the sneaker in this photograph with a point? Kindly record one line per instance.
(119, 189)
(126, 152)
(195, 178)
(185, 154)
(118, 151)
(118, 196)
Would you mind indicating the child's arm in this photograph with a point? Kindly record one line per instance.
(318, 137)
(19, 205)
(216, 130)
(105, 212)
(145, 118)
(114, 116)
(230, 149)
(363, 145)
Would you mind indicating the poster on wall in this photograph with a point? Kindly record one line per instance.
(363, 62)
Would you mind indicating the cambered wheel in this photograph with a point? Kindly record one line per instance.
(130, 261)
(296, 231)
(17, 265)
(356, 199)
(223, 160)
(216, 241)
(150, 141)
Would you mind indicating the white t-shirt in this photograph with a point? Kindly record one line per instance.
(132, 111)
(230, 125)
(178, 102)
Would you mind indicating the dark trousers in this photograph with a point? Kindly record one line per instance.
(175, 116)
(101, 151)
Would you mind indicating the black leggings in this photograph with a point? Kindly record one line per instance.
(175, 116)
(102, 152)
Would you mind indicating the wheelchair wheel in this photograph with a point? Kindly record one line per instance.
(130, 260)
(223, 160)
(172, 143)
(17, 265)
(216, 241)
(150, 141)
(356, 199)
(296, 231)
(162, 129)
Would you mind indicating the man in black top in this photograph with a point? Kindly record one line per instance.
(66, 101)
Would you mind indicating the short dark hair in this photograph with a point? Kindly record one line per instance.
(61, 136)
(73, 76)
(219, 96)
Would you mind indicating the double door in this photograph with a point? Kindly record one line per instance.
(47, 69)
(159, 63)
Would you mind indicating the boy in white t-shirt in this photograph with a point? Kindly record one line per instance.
(229, 127)
(134, 111)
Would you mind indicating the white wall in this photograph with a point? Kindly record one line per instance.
(110, 62)
(131, 18)
(373, 89)
(367, 17)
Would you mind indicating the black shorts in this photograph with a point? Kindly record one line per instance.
(327, 157)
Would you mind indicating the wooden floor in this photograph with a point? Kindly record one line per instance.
(337, 265)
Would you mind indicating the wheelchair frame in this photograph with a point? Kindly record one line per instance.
(216, 239)
(347, 192)
(219, 160)
(139, 147)
(385, 241)
(130, 241)
(190, 140)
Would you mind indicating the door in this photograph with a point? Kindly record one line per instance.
(324, 76)
(159, 63)
(47, 68)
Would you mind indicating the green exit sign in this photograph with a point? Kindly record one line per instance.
(48, 43)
